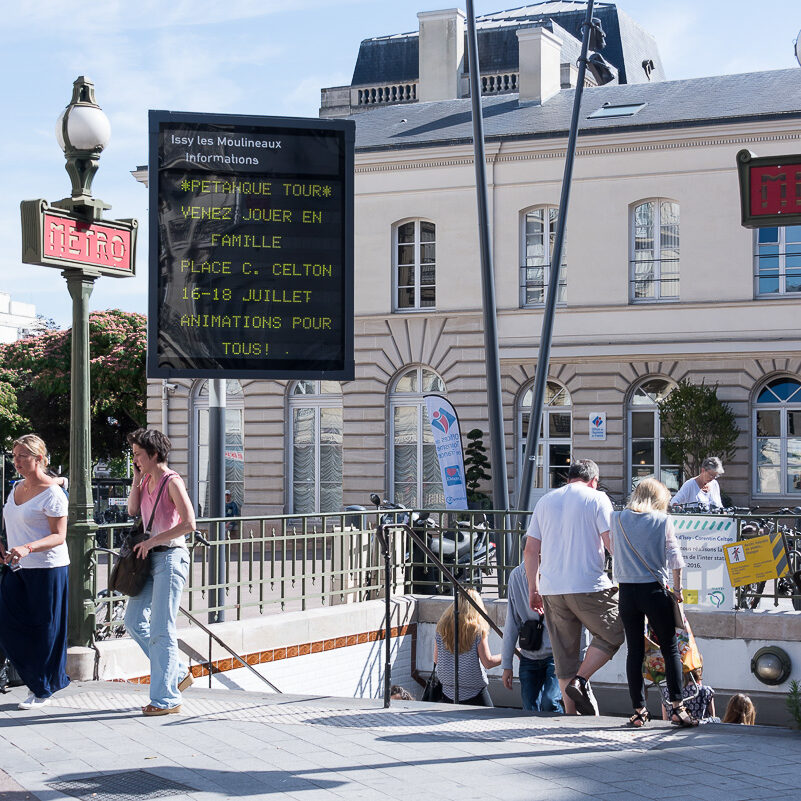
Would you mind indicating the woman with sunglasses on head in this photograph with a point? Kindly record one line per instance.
(151, 616)
(34, 587)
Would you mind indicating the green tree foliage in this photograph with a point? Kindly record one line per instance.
(35, 384)
(696, 424)
(476, 468)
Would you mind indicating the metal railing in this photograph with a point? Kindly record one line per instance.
(297, 562)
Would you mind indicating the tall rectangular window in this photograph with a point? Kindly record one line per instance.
(538, 237)
(777, 260)
(654, 262)
(415, 256)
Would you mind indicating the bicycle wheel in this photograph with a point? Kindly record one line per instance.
(794, 560)
(752, 594)
(109, 615)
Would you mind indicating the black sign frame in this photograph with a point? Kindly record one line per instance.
(342, 366)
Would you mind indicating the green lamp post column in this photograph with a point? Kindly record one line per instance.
(82, 131)
(80, 517)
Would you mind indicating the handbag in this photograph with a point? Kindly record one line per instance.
(678, 615)
(530, 634)
(130, 572)
(653, 666)
(433, 689)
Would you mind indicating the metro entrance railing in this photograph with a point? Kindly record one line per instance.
(299, 562)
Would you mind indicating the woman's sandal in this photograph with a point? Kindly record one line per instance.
(639, 719)
(679, 716)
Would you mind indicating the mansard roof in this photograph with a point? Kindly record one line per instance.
(667, 104)
(394, 58)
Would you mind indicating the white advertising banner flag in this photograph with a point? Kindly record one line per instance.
(706, 580)
(444, 424)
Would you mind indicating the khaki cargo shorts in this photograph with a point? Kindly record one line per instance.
(566, 614)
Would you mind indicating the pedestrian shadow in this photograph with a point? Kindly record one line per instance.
(170, 781)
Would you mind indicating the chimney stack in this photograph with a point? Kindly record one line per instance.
(441, 54)
(540, 53)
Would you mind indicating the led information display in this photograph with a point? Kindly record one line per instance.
(251, 247)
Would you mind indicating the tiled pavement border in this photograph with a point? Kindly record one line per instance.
(293, 651)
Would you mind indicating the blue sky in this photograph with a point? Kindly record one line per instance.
(267, 57)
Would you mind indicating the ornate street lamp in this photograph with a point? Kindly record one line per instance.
(82, 131)
(70, 234)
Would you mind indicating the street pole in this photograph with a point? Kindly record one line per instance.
(80, 518)
(217, 390)
(500, 487)
(544, 355)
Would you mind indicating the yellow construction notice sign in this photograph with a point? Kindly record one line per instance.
(758, 559)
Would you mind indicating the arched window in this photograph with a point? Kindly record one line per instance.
(414, 250)
(315, 447)
(234, 445)
(645, 435)
(777, 260)
(777, 437)
(555, 448)
(538, 233)
(654, 247)
(415, 479)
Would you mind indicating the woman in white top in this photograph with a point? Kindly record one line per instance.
(702, 489)
(34, 587)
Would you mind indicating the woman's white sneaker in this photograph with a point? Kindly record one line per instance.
(32, 702)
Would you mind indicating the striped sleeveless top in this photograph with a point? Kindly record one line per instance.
(472, 676)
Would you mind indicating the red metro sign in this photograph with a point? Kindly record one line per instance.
(53, 237)
(770, 189)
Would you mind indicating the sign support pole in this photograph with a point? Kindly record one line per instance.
(544, 355)
(500, 486)
(217, 390)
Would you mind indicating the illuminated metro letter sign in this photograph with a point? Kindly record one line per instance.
(770, 189)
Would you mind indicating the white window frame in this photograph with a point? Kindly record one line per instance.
(657, 277)
(549, 235)
(417, 244)
(783, 407)
(415, 399)
(781, 255)
(234, 402)
(631, 408)
(316, 402)
(523, 409)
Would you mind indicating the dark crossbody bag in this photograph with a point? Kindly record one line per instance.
(678, 617)
(530, 634)
(130, 573)
(433, 689)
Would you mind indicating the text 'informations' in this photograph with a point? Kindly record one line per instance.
(251, 247)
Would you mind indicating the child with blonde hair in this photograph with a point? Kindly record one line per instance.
(740, 709)
(474, 653)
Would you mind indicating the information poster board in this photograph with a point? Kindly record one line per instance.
(702, 539)
(251, 247)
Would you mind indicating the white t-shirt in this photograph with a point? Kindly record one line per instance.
(27, 522)
(690, 492)
(569, 522)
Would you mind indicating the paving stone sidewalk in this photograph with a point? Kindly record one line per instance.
(92, 743)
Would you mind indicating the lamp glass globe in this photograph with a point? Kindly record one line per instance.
(88, 128)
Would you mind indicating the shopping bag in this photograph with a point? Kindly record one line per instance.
(653, 666)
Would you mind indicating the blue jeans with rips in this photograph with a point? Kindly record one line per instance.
(539, 687)
(150, 619)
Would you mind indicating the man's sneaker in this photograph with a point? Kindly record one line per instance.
(32, 702)
(580, 693)
(186, 682)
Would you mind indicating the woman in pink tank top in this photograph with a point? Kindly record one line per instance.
(151, 616)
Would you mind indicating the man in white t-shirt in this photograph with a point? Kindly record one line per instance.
(565, 556)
